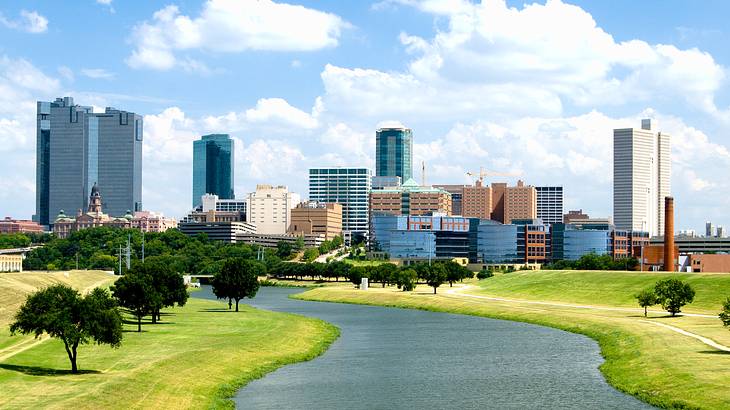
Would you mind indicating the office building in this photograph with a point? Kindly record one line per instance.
(497, 243)
(476, 201)
(570, 242)
(410, 199)
(709, 230)
(10, 225)
(272, 241)
(520, 202)
(349, 187)
(720, 231)
(385, 182)
(77, 148)
(269, 208)
(572, 216)
(394, 153)
(410, 238)
(642, 168)
(149, 221)
(550, 204)
(316, 218)
(457, 193)
(224, 231)
(213, 167)
(214, 209)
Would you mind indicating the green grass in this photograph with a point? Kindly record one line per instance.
(197, 357)
(604, 287)
(655, 364)
(355, 262)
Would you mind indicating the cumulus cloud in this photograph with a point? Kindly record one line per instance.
(29, 21)
(232, 26)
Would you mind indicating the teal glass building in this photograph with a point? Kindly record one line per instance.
(213, 167)
(394, 153)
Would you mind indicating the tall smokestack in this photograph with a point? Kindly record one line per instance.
(669, 255)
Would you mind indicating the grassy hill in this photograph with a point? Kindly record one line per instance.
(604, 287)
(195, 358)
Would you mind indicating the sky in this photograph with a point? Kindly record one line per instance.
(533, 89)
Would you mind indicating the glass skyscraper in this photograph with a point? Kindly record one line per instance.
(394, 153)
(76, 148)
(349, 187)
(213, 167)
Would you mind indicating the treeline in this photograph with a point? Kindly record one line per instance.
(404, 277)
(98, 248)
(22, 240)
(593, 261)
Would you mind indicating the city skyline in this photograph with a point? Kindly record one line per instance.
(558, 121)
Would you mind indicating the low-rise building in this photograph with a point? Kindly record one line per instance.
(149, 221)
(272, 241)
(410, 199)
(11, 262)
(574, 216)
(10, 225)
(316, 218)
(64, 225)
(227, 231)
(707, 263)
(214, 209)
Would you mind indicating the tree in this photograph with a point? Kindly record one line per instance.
(672, 294)
(168, 284)
(237, 279)
(485, 274)
(283, 249)
(356, 274)
(725, 314)
(137, 293)
(310, 254)
(299, 244)
(64, 314)
(646, 298)
(385, 273)
(436, 276)
(406, 279)
(456, 272)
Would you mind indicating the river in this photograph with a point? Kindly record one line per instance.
(388, 358)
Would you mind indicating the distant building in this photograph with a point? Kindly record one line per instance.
(272, 241)
(720, 231)
(213, 167)
(689, 233)
(213, 209)
(64, 225)
(315, 218)
(570, 242)
(269, 208)
(380, 182)
(709, 230)
(457, 195)
(520, 202)
(9, 225)
(224, 231)
(11, 262)
(573, 216)
(642, 167)
(394, 153)
(148, 221)
(476, 201)
(410, 199)
(77, 148)
(707, 263)
(349, 187)
(550, 204)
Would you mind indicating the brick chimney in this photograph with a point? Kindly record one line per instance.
(669, 255)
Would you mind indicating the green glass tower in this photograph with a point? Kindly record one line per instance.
(213, 167)
(394, 153)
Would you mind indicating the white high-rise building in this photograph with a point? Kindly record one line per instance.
(642, 173)
(349, 187)
(269, 208)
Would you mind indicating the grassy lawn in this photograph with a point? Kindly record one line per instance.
(197, 357)
(355, 262)
(653, 363)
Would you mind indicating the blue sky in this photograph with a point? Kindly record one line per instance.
(533, 88)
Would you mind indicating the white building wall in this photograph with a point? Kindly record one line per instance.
(269, 208)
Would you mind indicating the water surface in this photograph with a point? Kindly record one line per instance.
(389, 358)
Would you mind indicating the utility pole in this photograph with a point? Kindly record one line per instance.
(77, 261)
(142, 246)
(129, 250)
(120, 259)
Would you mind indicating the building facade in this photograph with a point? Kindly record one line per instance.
(642, 167)
(572, 216)
(410, 199)
(77, 148)
(64, 225)
(224, 231)
(269, 208)
(457, 193)
(315, 218)
(9, 225)
(394, 153)
(550, 204)
(497, 242)
(476, 201)
(349, 187)
(213, 167)
(149, 221)
(570, 242)
(520, 202)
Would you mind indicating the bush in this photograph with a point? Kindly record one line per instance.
(484, 274)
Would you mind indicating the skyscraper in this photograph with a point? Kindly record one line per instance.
(77, 148)
(550, 204)
(213, 167)
(349, 187)
(642, 167)
(269, 208)
(394, 153)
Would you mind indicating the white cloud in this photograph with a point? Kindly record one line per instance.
(232, 26)
(66, 73)
(97, 73)
(29, 21)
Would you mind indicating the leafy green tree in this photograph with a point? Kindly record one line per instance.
(672, 294)
(14, 240)
(238, 279)
(485, 274)
(168, 284)
(283, 249)
(455, 272)
(310, 254)
(299, 244)
(64, 314)
(385, 273)
(356, 274)
(436, 276)
(137, 293)
(725, 314)
(646, 298)
(406, 279)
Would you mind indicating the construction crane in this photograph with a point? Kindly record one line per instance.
(484, 173)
